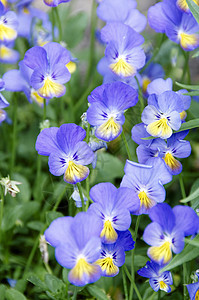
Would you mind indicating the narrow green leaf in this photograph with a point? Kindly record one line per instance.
(194, 9)
(188, 87)
(52, 215)
(192, 242)
(189, 125)
(2, 291)
(195, 93)
(190, 252)
(97, 292)
(53, 283)
(191, 197)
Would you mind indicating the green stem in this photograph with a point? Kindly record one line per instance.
(154, 53)
(124, 283)
(92, 43)
(186, 68)
(44, 110)
(141, 99)
(53, 24)
(133, 283)
(14, 136)
(87, 192)
(88, 133)
(48, 269)
(1, 213)
(184, 264)
(126, 145)
(133, 256)
(75, 294)
(59, 23)
(59, 199)
(159, 294)
(182, 186)
(81, 195)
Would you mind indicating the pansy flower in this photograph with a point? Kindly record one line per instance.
(123, 51)
(54, 2)
(193, 289)
(113, 255)
(48, 64)
(77, 246)
(107, 105)
(113, 207)
(147, 182)
(175, 147)
(8, 25)
(167, 231)
(180, 27)
(162, 114)
(157, 279)
(122, 11)
(159, 86)
(68, 153)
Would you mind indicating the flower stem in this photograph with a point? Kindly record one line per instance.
(159, 294)
(58, 22)
(184, 264)
(75, 294)
(141, 99)
(92, 43)
(132, 282)
(186, 68)
(81, 195)
(126, 145)
(14, 136)
(133, 257)
(124, 283)
(1, 212)
(44, 110)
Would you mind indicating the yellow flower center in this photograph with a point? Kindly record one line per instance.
(145, 84)
(82, 268)
(183, 115)
(108, 232)
(5, 52)
(163, 286)
(162, 252)
(107, 266)
(122, 68)
(187, 40)
(160, 128)
(7, 33)
(50, 88)
(171, 162)
(197, 295)
(75, 172)
(145, 200)
(71, 66)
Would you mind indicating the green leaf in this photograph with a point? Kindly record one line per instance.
(191, 197)
(52, 215)
(37, 282)
(108, 168)
(188, 87)
(192, 242)
(194, 9)
(2, 291)
(35, 225)
(11, 215)
(192, 94)
(77, 25)
(53, 283)
(190, 252)
(195, 202)
(12, 294)
(97, 292)
(189, 125)
(25, 192)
